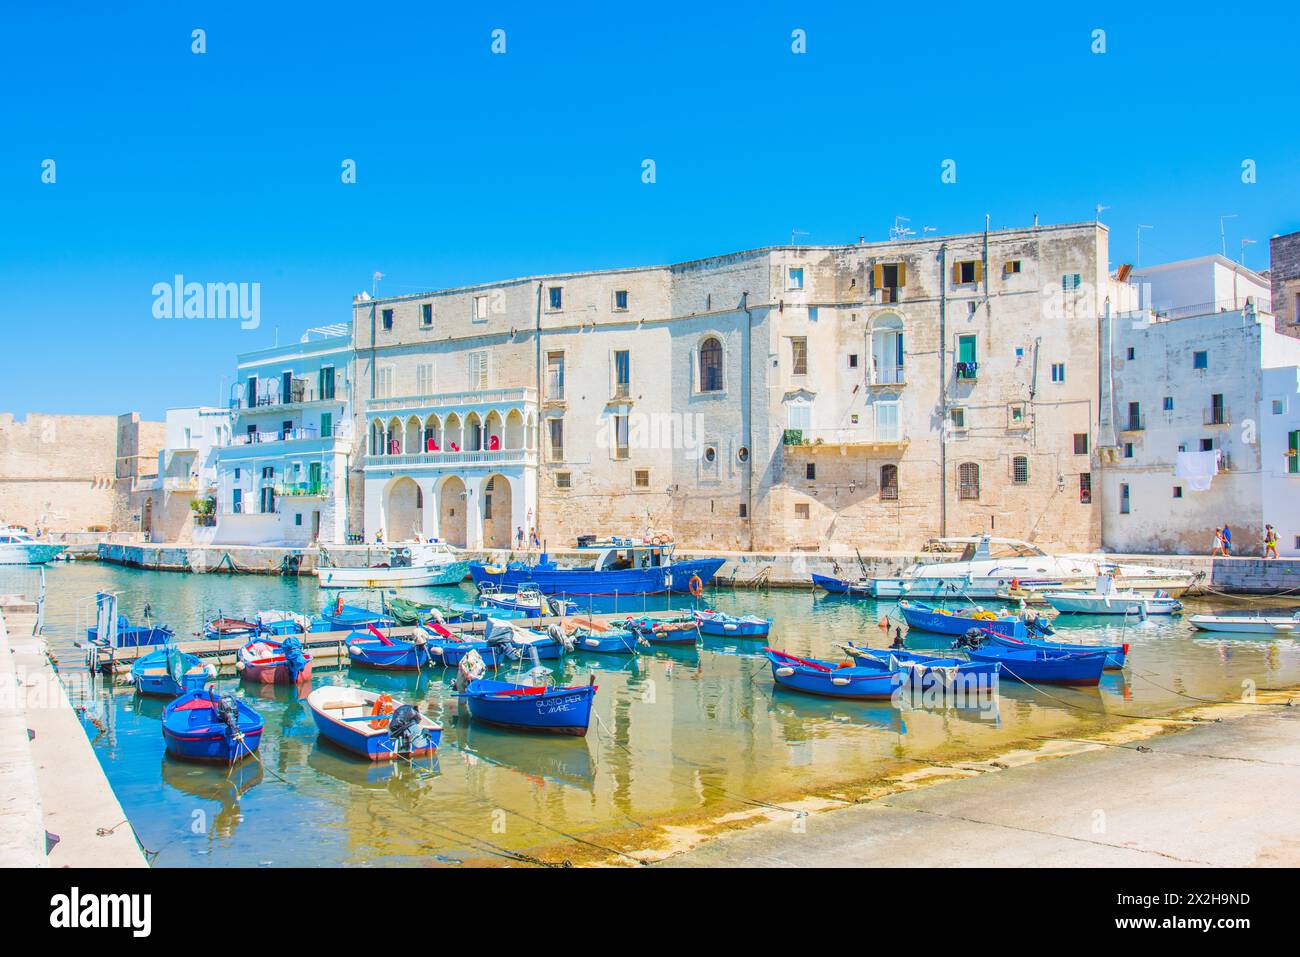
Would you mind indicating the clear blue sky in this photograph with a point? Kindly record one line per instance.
(226, 166)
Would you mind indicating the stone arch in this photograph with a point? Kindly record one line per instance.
(376, 437)
(432, 434)
(498, 503)
(393, 440)
(514, 437)
(494, 428)
(451, 433)
(452, 508)
(403, 510)
(473, 433)
(411, 440)
(711, 368)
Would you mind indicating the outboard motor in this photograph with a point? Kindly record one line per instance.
(471, 668)
(500, 637)
(972, 639)
(228, 711)
(404, 729)
(560, 637)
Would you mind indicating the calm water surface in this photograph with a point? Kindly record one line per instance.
(679, 732)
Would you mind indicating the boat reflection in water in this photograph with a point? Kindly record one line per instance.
(215, 783)
(565, 759)
(409, 776)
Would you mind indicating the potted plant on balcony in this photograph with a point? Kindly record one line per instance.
(205, 511)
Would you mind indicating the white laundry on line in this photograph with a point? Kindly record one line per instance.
(1198, 468)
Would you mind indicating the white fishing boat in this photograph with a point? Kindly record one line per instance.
(19, 548)
(1248, 624)
(408, 566)
(1108, 599)
(988, 565)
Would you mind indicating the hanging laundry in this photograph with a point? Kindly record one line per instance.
(1198, 469)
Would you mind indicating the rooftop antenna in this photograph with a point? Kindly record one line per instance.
(797, 232)
(374, 284)
(929, 229)
(1141, 226)
(1244, 244)
(1098, 208)
(1223, 242)
(900, 230)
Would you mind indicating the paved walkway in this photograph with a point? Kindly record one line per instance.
(53, 792)
(1220, 794)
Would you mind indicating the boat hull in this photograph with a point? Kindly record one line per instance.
(924, 618)
(674, 578)
(277, 673)
(1245, 625)
(730, 626)
(551, 711)
(621, 642)
(400, 577)
(1070, 604)
(29, 554)
(826, 680)
(838, 586)
(1116, 655)
(1047, 667)
(357, 737)
(192, 731)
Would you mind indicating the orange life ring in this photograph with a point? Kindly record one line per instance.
(696, 586)
(383, 706)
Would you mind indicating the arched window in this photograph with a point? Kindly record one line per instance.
(889, 482)
(1020, 469)
(711, 365)
(968, 480)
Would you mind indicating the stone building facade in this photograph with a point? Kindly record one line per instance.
(875, 394)
(1284, 276)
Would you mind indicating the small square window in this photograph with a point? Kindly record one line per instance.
(1131, 354)
(641, 478)
(801, 510)
(388, 319)
(1058, 371)
(744, 510)
(556, 297)
(1080, 443)
(480, 309)
(1178, 491)
(853, 360)
(1279, 407)
(958, 417)
(1169, 403)
(297, 518)
(1072, 280)
(620, 300)
(1128, 450)
(1011, 267)
(563, 480)
(1207, 445)
(1016, 415)
(810, 471)
(426, 314)
(1200, 359)
(967, 272)
(794, 277)
(236, 473)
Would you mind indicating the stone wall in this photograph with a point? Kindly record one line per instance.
(57, 472)
(1284, 276)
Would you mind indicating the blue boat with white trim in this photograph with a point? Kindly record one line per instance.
(733, 626)
(371, 725)
(523, 707)
(1116, 655)
(829, 679)
(206, 726)
(613, 567)
(169, 672)
(1043, 665)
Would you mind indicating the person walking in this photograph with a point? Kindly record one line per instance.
(519, 538)
(536, 542)
(1227, 540)
(1270, 542)
(1218, 542)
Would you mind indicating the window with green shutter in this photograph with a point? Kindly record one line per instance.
(1293, 453)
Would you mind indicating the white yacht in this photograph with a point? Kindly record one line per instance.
(987, 565)
(19, 548)
(1248, 624)
(1108, 599)
(420, 563)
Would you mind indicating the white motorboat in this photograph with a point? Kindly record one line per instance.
(19, 548)
(1248, 624)
(1108, 599)
(988, 565)
(418, 564)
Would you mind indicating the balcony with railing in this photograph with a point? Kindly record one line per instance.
(341, 430)
(271, 394)
(1133, 422)
(452, 401)
(1216, 415)
(302, 490)
(865, 437)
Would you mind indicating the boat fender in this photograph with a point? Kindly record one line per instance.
(591, 642)
(354, 651)
(839, 681)
(696, 586)
(239, 664)
(210, 671)
(784, 672)
(729, 627)
(382, 707)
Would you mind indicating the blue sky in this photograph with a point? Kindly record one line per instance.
(225, 166)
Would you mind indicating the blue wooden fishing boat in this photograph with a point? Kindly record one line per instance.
(341, 617)
(1043, 665)
(132, 636)
(467, 611)
(269, 660)
(812, 676)
(531, 707)
(615, 641)
(733, 626)
(206, 726)
(612, 567)
(923, 668)
(1116, 655)
(371, 648)
(945, 621)
(371, 724)
(169, 672)
(684, 630)
(526, 599)
(860, 587)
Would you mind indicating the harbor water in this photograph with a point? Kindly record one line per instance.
(684, 737)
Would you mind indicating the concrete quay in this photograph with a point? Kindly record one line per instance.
(1245, 576)
(57, 808)
(1217, 795)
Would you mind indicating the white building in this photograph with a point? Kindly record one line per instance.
(1280, 443)
(282, 476)
(1181, 447)
(187, 474)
